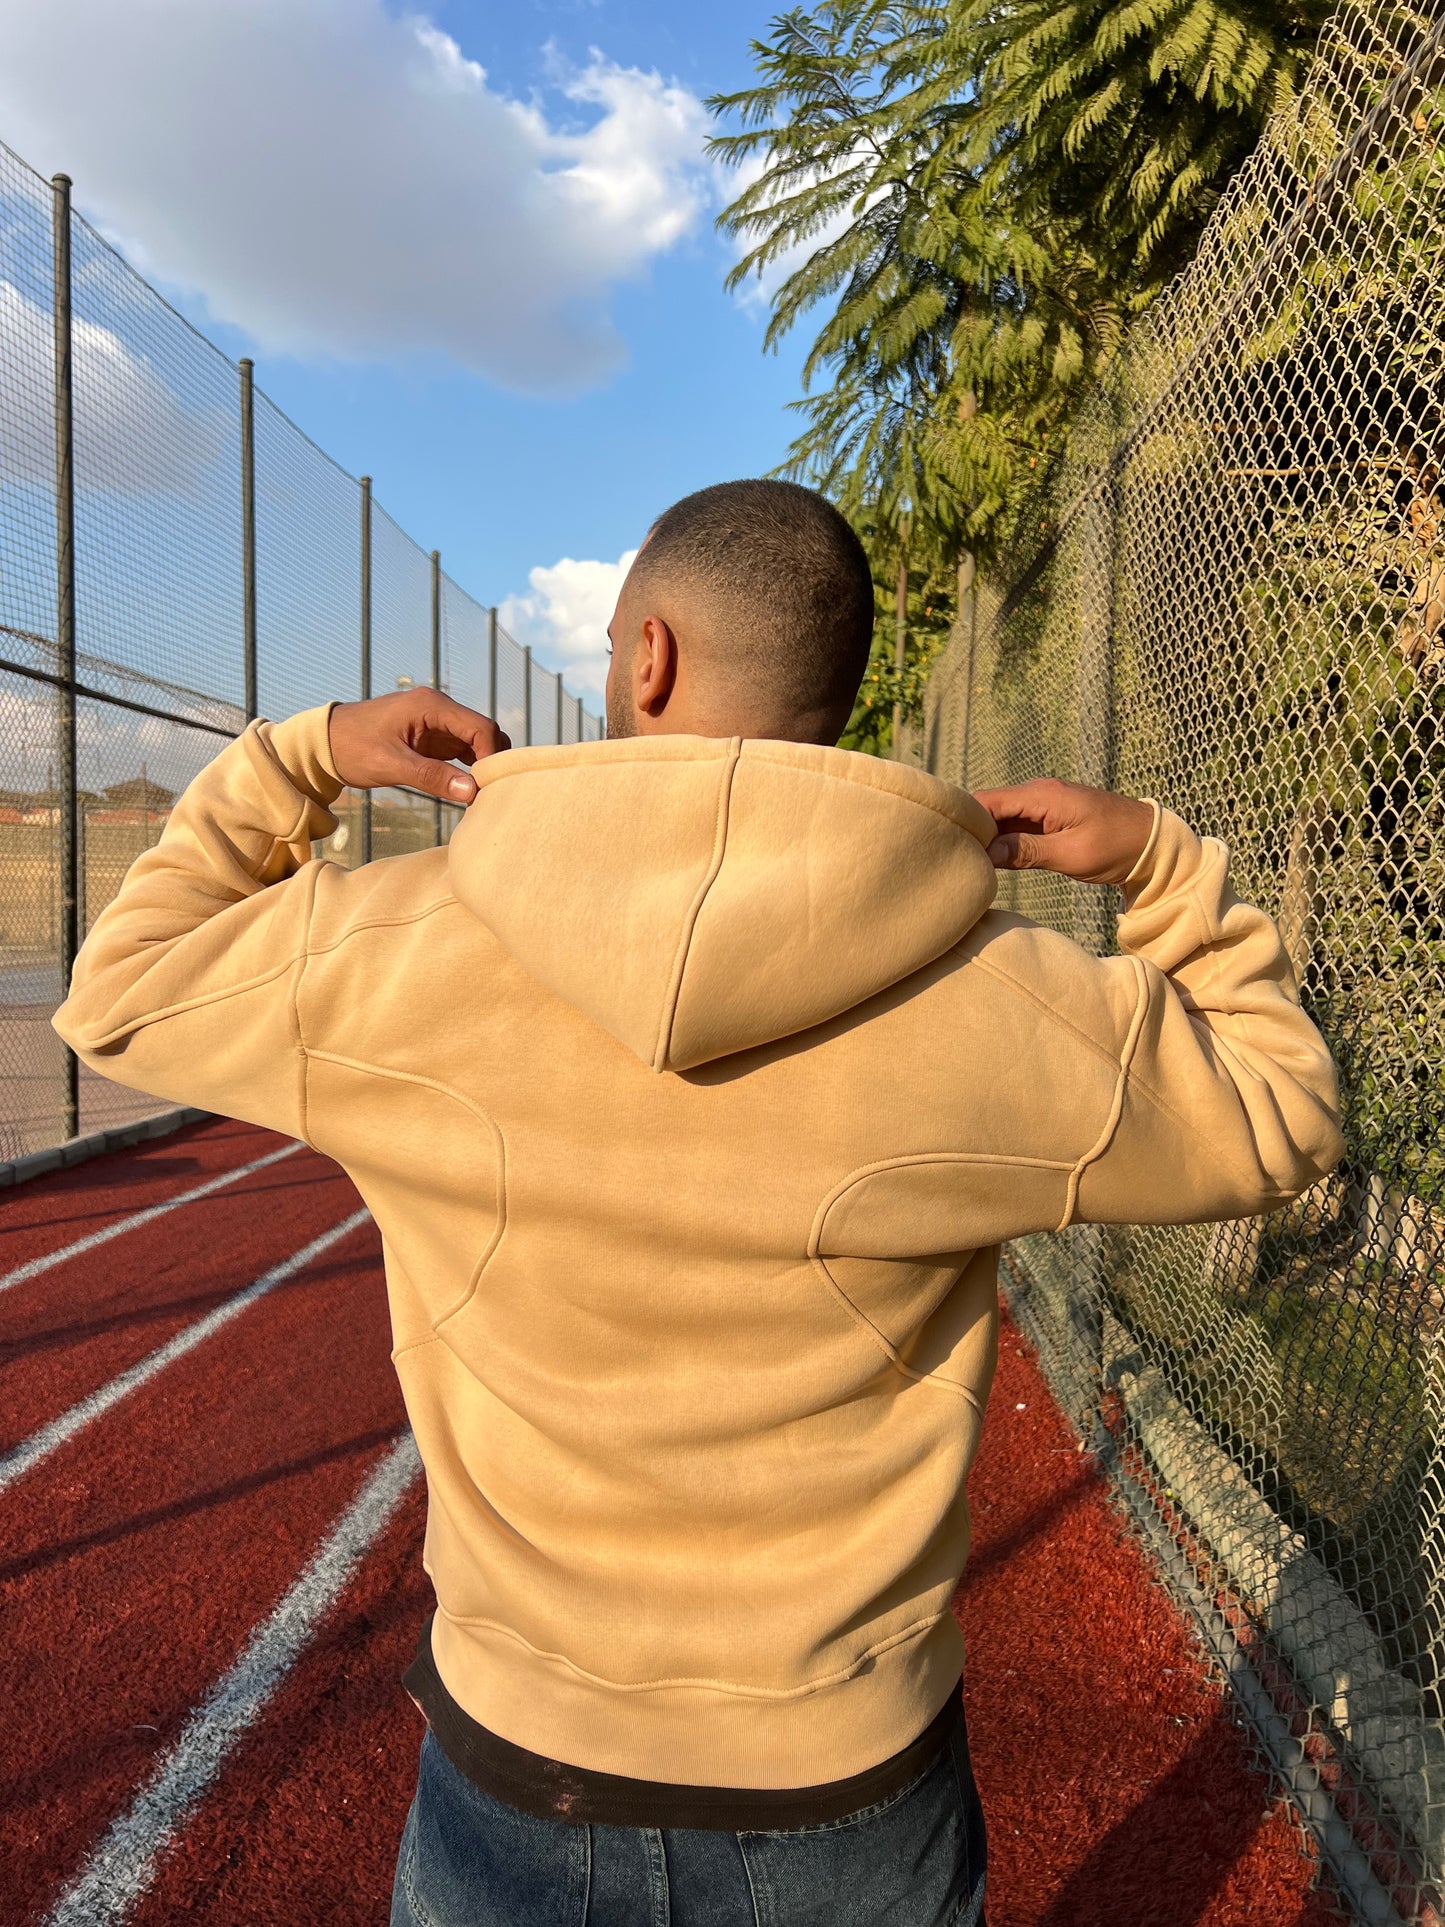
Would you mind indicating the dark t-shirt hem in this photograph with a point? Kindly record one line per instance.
(554, 1790)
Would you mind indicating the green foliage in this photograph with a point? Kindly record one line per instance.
(938, 297)
(930, 609)
(978, 196)
(1123, 120)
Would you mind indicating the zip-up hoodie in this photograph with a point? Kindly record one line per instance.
(694, 1088)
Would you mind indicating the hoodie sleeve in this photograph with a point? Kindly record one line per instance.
(1226, 1104)
(186, 985)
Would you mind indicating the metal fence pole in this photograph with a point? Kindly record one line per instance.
(365, 645)
(68, 812)
(559, 709)
(900, 641)
(527, 694)
(1094, 1249)
(248, 536)
(492, 664)
(581, 730)
(436, 665)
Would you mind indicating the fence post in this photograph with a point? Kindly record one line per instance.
(248, 535)
(68, 812)
(581, 732)
(436, 666)
(492, 664)
(900, 648)
(1096, 1247)
(559, 708)
(1099, 538)
(365, 645)
(527, 695)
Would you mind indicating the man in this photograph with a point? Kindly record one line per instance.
(694, 1089)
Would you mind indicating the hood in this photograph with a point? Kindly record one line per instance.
(699, 895)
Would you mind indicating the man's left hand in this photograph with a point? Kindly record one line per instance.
(412, 740)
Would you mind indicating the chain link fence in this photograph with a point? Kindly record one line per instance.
(1234, 601)
(175, 556)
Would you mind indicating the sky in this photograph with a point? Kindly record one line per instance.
(470, 247)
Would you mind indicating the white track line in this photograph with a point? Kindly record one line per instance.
(20, 1458)
(125, 1863)
(138, 1218)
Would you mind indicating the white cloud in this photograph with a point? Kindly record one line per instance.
(565, 617)
(132, 436)
(111, 744)
(335, 179)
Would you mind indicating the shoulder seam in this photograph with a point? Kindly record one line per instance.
(485, 1118)
(383, 921)
(1116, 1102)
(162, 1011)
(1022, 989)
(303, 959)
(908, 1158)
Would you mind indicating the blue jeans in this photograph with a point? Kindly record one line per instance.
(916, 1859)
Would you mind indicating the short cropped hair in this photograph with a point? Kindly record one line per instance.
(784, 584)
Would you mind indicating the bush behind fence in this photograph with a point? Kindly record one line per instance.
(175, 555)
(1234, 601)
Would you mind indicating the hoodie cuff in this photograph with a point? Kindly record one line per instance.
(1177, 894)
(302, 746)
(1144, 862)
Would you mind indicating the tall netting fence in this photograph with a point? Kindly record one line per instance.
(205, 559)
(1235, 602)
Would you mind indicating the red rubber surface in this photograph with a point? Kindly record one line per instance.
(71, 1329)
(135, 1564)
(45, 1213)
(1117, 1790)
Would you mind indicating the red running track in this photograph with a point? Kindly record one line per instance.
(143, 1557)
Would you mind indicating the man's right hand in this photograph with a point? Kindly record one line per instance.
(413, 739)
(1091, 835)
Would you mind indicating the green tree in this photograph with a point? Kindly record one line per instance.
(980, 195)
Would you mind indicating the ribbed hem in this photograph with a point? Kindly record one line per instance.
(696, 1735)
(557, 1790)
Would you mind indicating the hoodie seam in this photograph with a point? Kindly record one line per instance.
(382, 922)
(886, 1346)
(1055, 1017)
(860, 1176)
(684, 946)
(158, 1013)
(1116, 1102)
(415, 1344)
(298, 1029)
(738, 1688)
(499, 1144)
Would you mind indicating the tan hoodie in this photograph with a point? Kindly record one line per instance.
(694, 1089)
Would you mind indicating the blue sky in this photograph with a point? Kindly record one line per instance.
(628, 375)
(500, 481)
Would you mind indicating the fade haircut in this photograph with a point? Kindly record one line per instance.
(782, 585)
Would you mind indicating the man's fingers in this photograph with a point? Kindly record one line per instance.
(447, 747)
(1031, 802)
(436, 777)
(474, 734)
(1019, 850)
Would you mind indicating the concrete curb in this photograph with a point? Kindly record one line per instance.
(120, 1137)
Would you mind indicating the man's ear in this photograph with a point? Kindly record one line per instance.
(654, 668)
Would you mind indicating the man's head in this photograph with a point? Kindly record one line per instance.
(748, 612)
